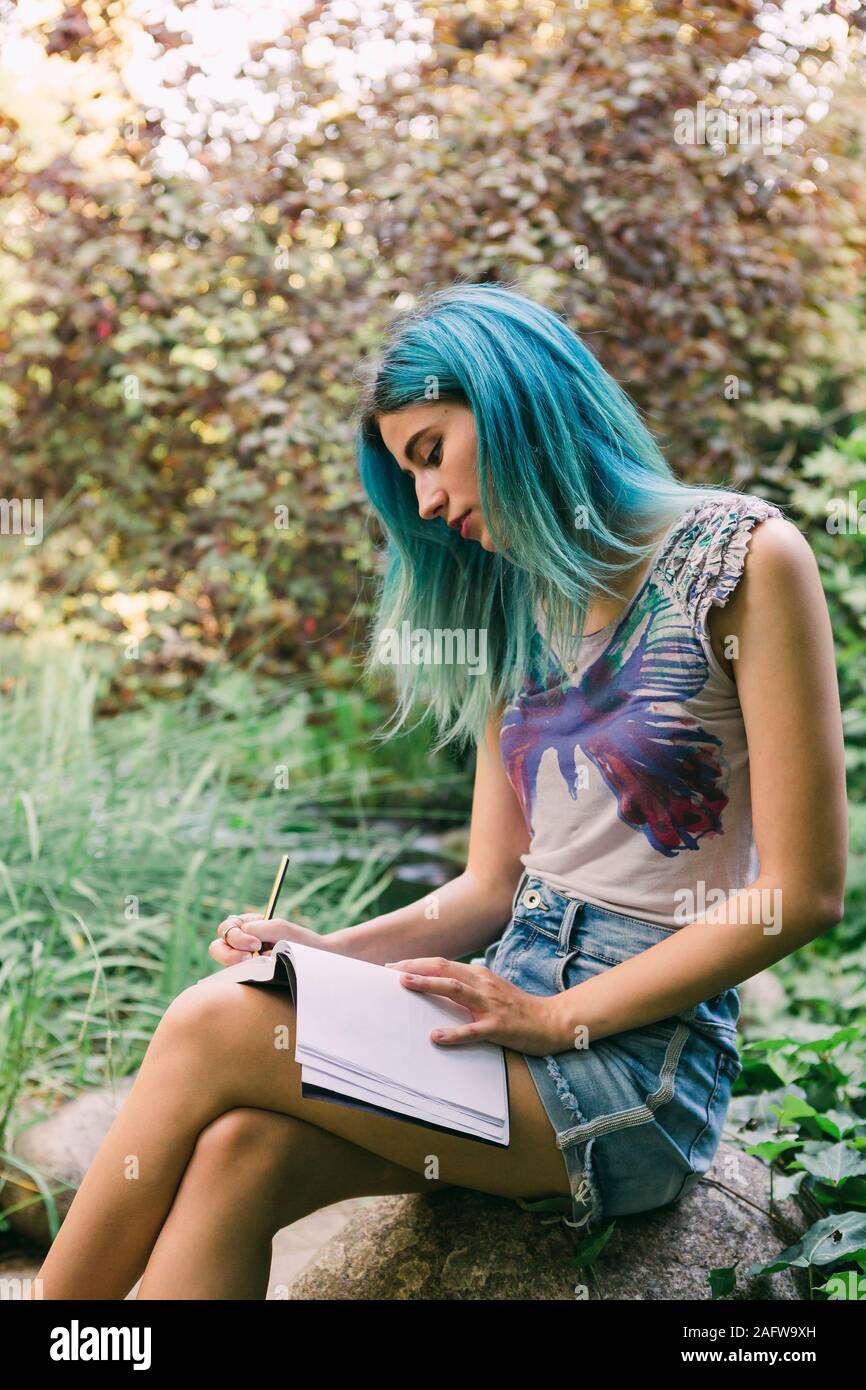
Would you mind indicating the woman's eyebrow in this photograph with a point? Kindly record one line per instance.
(410, 443)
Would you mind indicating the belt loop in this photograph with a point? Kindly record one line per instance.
(565, 925)
(518, 890)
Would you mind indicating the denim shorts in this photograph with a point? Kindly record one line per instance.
(638, 1115)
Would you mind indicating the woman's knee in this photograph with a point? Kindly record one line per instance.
(248, 1139)
(238, 1042)
(191, 1011)
(219, 1001)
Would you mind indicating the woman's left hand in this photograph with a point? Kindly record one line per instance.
(501, 1013)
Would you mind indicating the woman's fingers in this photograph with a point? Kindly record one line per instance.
(226, 955)
(243, 939)
(270, 928)
(256, 924)
(458, 990)
(239, 927)
(248, 933)
(439, 965)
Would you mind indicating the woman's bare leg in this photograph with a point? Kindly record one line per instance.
(252, 1173)
(117, 1213)
(222, 1045)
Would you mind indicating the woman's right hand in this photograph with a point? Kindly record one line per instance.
(253, 932)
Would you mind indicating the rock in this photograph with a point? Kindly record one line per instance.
(295, 1245)
(448, 1245)
(723, 1221)
(62, 1149)
(18, 1269)
(454, 1243)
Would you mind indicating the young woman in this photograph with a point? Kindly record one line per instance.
(659, 813)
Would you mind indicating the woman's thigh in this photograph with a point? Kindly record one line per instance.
(242, 1038)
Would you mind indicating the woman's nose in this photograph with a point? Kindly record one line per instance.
(430, 504)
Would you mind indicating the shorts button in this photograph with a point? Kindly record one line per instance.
(531, 898)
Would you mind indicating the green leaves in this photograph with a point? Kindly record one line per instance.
(832, 1163)
(590, 1247)
(723, 1281)
(826, 1242)
(217, 313)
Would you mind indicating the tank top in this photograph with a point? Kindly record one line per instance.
(632, 770)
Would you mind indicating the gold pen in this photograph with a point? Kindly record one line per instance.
(275, 893)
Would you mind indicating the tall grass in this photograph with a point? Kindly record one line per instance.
(124, 841)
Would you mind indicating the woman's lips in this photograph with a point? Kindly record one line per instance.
(464, 523)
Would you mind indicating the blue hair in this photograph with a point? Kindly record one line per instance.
(558, 440)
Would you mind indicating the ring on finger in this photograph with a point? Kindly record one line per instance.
(232, 922)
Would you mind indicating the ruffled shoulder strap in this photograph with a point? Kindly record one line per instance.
(702, 560)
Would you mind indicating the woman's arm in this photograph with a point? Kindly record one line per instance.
(786, 681)
(466, 914)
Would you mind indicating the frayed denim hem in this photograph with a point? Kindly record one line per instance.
(586, 1218)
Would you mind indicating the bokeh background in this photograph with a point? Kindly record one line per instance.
(209, 214)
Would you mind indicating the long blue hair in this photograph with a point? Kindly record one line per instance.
(567, 473)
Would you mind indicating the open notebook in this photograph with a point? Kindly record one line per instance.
(363, 1039)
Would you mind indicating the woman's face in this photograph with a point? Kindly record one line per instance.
(435, 443)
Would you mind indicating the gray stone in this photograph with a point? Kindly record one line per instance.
(61, 1148)
(295, 1245)
(18, 1270)
(454, 1243)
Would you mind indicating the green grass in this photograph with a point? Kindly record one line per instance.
(126, 840)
